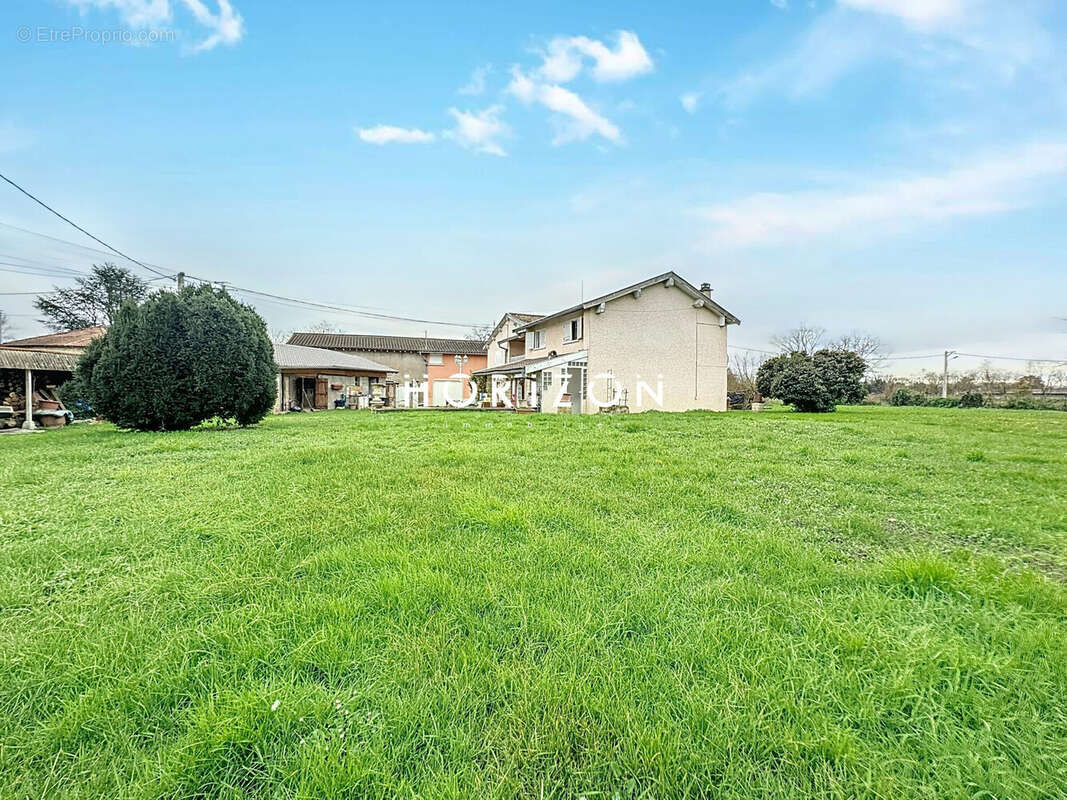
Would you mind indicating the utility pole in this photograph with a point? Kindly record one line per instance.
(944, 374)
(181, 281)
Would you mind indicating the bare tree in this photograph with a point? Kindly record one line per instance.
(280, 335)
(802, 339)
(868, 346)
(324, 326)
(478, 333)
(5, 326)
(741, 372)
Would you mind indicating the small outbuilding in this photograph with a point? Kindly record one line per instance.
(28, 380)
(313, 378)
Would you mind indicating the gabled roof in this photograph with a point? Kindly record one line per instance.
(671, 276)
(387, 344)
(79, 338)
(516, 317)
(293, 356)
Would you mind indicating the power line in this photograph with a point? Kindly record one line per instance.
(47, 207)
(370, 312)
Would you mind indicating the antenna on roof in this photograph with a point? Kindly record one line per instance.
(581, 291)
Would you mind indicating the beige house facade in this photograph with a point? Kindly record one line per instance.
(659, 344)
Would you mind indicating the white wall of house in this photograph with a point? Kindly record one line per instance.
(659, 334)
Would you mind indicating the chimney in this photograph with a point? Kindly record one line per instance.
(705, 289)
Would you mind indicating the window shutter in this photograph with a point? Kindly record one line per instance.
(529, 340)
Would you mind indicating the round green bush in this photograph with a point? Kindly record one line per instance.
(971, 400)
(841, 372)
(903, 397)
(178, 359)
(798, 384)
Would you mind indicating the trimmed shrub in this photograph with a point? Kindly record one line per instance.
(76, 392)
(1031, 403)
(971, 400)
(179, 359)
(841, 372)
(767, 373)
(905, 397)
(798, 384)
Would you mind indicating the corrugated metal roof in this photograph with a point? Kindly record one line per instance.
(292, 356)
(15, 358)
(388, 344)
(79, 338)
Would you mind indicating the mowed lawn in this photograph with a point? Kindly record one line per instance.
(870, 603)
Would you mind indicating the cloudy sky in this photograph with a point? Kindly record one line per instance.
(896, 166)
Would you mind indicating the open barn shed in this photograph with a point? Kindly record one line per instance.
(313, 378)
(35, 375)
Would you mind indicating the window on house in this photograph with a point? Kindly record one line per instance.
(572, 330)
(546, 380)
(535, 340)
(435, 359)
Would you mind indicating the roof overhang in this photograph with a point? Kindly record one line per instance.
(39, 360)
(548, 363)
(505, 370)
(671, 279)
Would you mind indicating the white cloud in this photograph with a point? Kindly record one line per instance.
(391, 134)
(476, 85)
(479, 130)
(923, 14)
(690, 101)
(576, 119)
(135, 13)
(952, 43)
(564, 58)
(782, 4)
(225, 27)
(986, 185)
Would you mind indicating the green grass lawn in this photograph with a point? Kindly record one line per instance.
(867, 603)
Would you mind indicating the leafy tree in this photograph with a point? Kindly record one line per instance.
(798, 384)
(94, 300)
(768, 372)
(841, 372)
(178, 359)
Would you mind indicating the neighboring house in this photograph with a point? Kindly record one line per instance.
(68, 342)
(656, 345)
(315, 378)
(432, 363)
(500, 348)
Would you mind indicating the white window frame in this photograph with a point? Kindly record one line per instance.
(439, 362)
(568, 326)
(535, 340)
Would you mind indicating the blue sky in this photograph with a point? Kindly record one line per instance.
(889, 165)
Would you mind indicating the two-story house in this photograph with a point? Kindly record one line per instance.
(656, 345)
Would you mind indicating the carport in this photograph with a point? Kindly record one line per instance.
(27, 370)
